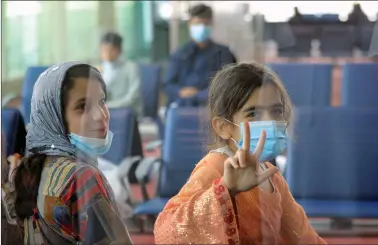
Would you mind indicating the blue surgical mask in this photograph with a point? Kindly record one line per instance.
(92, 146)
(200, 33)
(275, 142)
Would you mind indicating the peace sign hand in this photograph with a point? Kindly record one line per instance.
(241, 172)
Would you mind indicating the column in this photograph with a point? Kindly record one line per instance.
(106, 16)
(174, 27)
(52, 32)
(3, 46)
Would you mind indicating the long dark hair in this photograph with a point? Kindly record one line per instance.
(28, 174)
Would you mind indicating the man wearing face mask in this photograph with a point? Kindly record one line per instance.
(190, 68)
(122, 77)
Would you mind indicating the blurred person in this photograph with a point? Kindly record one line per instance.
(234, 196)
(297, 17)
(57, 192)
(121, 77)
(357, 15)
(11, 232)
(190, 67)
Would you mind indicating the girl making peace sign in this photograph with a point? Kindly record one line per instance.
(234, 196)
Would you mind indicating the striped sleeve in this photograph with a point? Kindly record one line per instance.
(94, 218)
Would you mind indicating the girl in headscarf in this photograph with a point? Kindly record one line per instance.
(57, 190)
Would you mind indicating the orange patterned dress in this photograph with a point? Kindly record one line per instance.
(203, 212)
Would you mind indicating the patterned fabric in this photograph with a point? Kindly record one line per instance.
(204, 213)
(75, 203)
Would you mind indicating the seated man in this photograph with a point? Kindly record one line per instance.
(191, 67)
(121, 77)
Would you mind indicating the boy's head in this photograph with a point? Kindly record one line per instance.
(201, 18)
(110, 47)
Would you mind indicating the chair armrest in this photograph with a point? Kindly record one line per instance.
(143, 173)
(123, 173)
(9, 98)
(281, 162)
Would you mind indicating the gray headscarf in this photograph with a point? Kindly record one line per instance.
(46, 130)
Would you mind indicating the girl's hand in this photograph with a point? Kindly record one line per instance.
(241, 172)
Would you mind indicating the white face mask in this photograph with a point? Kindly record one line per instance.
(92, 146)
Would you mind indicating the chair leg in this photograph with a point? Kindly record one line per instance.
(141, 223)
(160, 126)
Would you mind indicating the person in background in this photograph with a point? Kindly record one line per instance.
(357, 15)
(57, 191)
(122, 77)
(190, 68)
(234, 195)
(297, 17)
(11, 233)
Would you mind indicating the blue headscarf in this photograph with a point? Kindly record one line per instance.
(46, 130)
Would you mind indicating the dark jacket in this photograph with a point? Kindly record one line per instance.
(191, 66)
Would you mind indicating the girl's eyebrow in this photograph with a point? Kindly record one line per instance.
(252, 108)
(80, 100)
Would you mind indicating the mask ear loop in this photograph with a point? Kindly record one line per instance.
(285, 119)
(234, 124)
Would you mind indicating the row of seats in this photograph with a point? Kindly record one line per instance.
(311, 84)
(335, 39)
(332, 160)
(307, 85)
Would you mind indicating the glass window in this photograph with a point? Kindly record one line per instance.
(82, 31)
(20, 47)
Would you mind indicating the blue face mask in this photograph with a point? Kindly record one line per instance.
(200, 33)
(275, 142)
(92, 146)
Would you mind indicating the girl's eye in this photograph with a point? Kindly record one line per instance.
(81, 106)
(277, 112)
(102, 102)
(254, 114)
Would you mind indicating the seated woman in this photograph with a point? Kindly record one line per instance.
(233, 195)
(58, 191)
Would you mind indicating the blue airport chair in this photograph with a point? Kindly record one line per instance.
(30, 79)
(182, 149)
(359, 87)
(332, 162)
(14, 131)
(337, 40)
(150, 88)
(306, 84)
(127, 141)
(126, 150)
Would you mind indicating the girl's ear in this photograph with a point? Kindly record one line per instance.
(222, 128)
